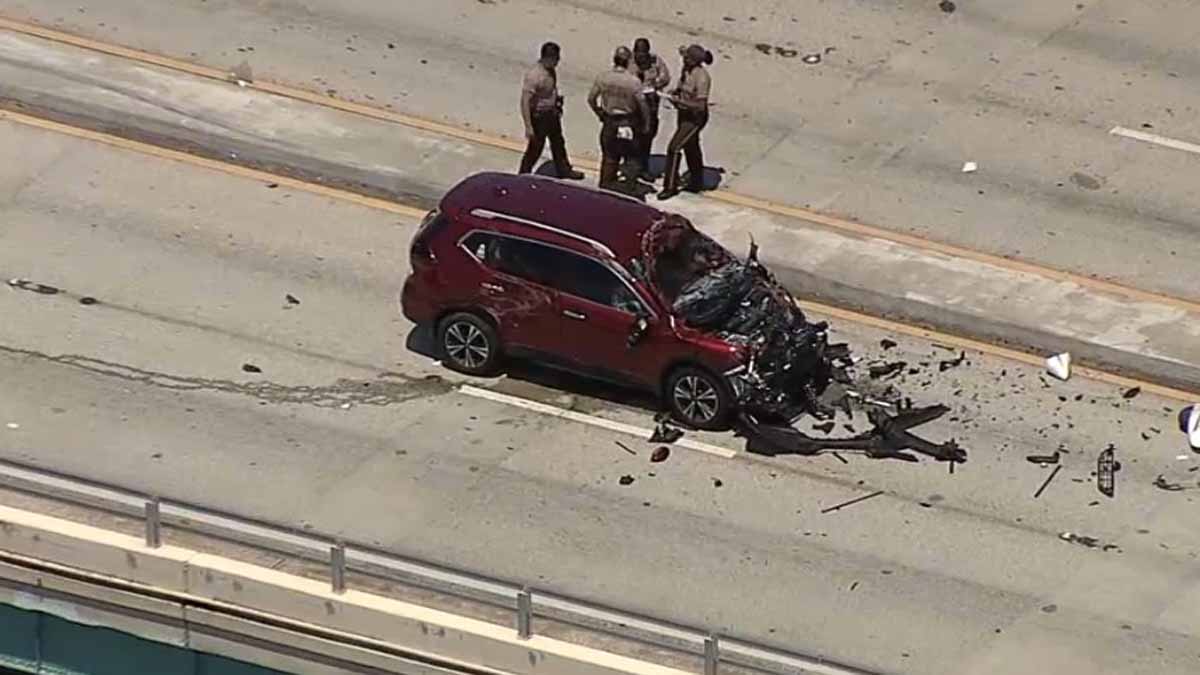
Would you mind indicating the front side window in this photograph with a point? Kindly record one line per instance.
(590, 280)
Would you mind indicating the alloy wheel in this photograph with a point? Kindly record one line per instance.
(696, 398)
(466, 345)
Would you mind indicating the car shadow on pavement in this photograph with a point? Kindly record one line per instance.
(420, 341)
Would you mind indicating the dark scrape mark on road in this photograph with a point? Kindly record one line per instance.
(387, 389)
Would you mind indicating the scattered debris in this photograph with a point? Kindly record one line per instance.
(345, 406)
(1090, 542)
(825, 428)
(1182, 458)
(13, 425)
(1047, 483)
(88, 300)
(947, 6)
(665, 432)
(854, 585)
(291, 299)
(272, 186)
(1131, 393)
(1106, 469)
(1044, 460)
(660, 454)
(811, 59)
(1059, 365)
(626, 480)
(251, 368)
(763, 47)
(242, 74)
(970, 167)
(943, 366)
(887, 369)
(1189, 423)
(856, 500)
(839, 458)
(887, 344)
(786, 53)
(626, 448)
(1162, 484)
(717, 482)
(27, 285)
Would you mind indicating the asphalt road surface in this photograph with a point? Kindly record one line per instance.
(879, 130)
(348, 431)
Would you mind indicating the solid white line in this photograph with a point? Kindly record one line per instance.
(1156, 139)
(619, 427)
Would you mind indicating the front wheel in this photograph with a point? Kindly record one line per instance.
(468, 344)
(699, 399)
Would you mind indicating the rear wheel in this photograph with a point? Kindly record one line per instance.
(468, 344)
(699, 399)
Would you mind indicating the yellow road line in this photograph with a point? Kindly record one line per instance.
(394, 207)
(212, 164)
(491, 140)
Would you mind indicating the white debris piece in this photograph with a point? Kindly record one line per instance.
(1059, 365)
(970, 167)
(1189, 421)
(13, 425)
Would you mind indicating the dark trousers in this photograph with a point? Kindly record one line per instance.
(645, 141)
(615, 152)
(547, 126)
(686, 140)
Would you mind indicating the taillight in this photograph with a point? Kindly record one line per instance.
(421, 251)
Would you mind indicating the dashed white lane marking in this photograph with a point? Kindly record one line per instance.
(592, 420)
(1156, 139)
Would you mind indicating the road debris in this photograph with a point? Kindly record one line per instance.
(291, 299)
(825, 428)
(887, 344)
(717, 482)
(844, 461)
(626, 448)
(947, 6)
(27, 285)
(250, 368)
(242, 74)
(838, 507)
(1131, 393)
(764, 48)
(1163, 484)
(13, 425)
(887, 370)
(1083, 540)
(811, 59)
(1059, 366)
(1189, 423)
(660, 454)
(1106, 470)
(664, 431)
(786, 53)
(943, 366)
(1044, 460)
(626, 480)
(1049, 478)
(970, 167)
(88, 300)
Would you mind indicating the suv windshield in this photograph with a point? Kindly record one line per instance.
(683, 256)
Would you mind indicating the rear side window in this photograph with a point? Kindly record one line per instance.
(567, 272)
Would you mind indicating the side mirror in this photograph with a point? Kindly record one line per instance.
(640, 327)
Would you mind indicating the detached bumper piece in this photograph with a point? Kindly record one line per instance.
(890, 438)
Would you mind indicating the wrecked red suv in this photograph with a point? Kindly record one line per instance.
(603, 285)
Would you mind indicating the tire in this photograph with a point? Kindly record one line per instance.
(699, 399)
(468, 344)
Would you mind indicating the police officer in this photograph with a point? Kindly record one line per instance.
(653, 72)
(541, 111)
(690, 98)
(616, 98)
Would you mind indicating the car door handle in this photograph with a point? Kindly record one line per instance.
(497, 288)
(578, 316)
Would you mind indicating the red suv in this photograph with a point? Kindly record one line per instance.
(603, 285)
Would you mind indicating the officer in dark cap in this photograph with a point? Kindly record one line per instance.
(541, 111)
(690, 98)
(617, 100)
(653, 72)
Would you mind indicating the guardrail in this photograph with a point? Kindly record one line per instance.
(342, 556)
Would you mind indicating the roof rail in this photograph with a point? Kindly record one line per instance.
(488, 214)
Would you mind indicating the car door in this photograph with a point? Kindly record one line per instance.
(512, 289)
(599, 312)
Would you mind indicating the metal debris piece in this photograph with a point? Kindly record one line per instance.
(1131, 392)
(943, 366)
(660, 454)
(1162, 484)
(13, 425)
(786, 53)
(1047, 483)
(1106, 469)
(970, 167)
(838, 507)
(1059, 365)
(291, 299)
(626, 448)
(251, 368)
(717, 482)
(1090, 542)
(763, 47)
(887, 369)
(812, 59)
(947, 6)
(27, 285)
(1189, 423)
(626, 480)
(839, 458)
(825, 428)
(664, 432)
(887, 344)
(1044, 459)
(88, 300)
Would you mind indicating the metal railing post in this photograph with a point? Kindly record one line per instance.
(337, 567)
(712, 654)
(153, 523)
(524, 614)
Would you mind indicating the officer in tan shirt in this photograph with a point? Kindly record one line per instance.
(541, 112)
(690, 98)
(652, 71)
(617, 100)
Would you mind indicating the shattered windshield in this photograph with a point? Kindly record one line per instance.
(678, 255)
